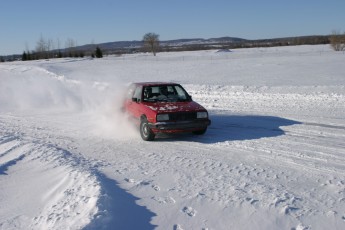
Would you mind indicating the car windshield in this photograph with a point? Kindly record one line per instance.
(165, 93)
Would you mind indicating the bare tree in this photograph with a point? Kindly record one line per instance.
(337, 41)
(151, 40)
(27, 51)
(44, 48)
(70, 47)
(59, 54)
(41, 47)
(27, 47)
(50, 47)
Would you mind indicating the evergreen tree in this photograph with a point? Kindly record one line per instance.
(24, 56)
(99, 53)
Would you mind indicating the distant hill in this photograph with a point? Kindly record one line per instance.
(178, 43)
(203, 44)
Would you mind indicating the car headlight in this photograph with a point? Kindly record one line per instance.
(162, 117)
(201, 115)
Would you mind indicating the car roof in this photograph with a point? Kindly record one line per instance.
(154, 83)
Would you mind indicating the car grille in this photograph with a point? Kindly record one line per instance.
(182, 116)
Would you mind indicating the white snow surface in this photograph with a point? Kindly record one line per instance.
(273, 157)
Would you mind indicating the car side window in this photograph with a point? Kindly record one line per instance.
(137, 94)
(181, 93)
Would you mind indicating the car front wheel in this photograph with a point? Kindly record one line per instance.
(145, 131)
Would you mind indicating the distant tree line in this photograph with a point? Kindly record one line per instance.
(47, 48)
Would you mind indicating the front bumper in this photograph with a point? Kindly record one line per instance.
(179, 126)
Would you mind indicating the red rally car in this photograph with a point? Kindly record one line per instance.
(160, 107)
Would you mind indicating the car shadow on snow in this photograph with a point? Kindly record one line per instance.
(236, 128)
(118, 209)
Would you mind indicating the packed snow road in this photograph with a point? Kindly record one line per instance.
(273, 157)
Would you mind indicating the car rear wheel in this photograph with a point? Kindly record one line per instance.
(145, 131)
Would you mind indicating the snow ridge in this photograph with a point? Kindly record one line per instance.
(68, 200)
(74, 193)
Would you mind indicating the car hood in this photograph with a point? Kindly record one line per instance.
(168, 107)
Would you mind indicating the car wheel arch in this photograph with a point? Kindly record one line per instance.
(143, 117)
(145, 132)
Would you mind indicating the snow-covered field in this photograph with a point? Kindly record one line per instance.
(273, 157)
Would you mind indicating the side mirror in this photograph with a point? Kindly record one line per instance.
(189, 97)
(134, 99)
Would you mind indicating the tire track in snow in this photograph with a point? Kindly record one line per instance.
(8, 144)
(305, 147)
(204, 178)
(217, 172)
(302, 153)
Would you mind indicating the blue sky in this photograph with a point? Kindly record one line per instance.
(23, 22)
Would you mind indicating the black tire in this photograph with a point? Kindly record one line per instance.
(145, 131)
(200, 132)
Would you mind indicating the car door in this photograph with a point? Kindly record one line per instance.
(133, 105)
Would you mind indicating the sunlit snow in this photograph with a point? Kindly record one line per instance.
(273, 157)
